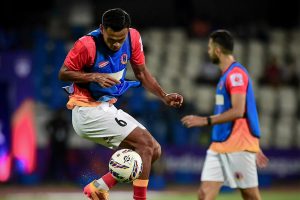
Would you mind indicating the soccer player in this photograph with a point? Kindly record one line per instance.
(234, 152)
(97, 67)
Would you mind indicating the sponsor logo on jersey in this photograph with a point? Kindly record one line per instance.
(219, 99)
(124, 59)
(103, 64)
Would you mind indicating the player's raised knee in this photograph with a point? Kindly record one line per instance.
(157, 151)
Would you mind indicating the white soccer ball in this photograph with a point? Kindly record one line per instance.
(125, 165)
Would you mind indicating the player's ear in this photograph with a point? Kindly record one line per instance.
(101, 28)
(218, 50)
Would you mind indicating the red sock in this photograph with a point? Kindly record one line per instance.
(140, 189)
(109, 180)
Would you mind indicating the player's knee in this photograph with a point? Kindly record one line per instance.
(250, 194)
(146, 145)
(201, 194)
(208, 191)
(157, 151)
(146, 153)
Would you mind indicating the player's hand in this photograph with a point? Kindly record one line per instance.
(105, 80)
(261, 159)
(193, 121)
(173, 99)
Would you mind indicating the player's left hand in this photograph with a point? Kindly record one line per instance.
(173, 99)
(193, 121)
(262, 160)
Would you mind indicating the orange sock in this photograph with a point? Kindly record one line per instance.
(140, 189)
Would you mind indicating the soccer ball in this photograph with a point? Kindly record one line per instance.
(125, 165)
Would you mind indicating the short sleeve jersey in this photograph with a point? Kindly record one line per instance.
(83, 55)
(241, 138)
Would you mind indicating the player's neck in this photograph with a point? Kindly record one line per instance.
(225, 62)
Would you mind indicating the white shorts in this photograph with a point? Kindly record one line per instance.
(103, 124)
(236, 170)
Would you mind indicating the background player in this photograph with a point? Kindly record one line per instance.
(231, 157)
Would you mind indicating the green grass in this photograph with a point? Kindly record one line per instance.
(266, 195)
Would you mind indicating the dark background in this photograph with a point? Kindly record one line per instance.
(20, 14)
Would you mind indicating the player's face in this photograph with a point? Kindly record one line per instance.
(211, 52)
(114, 39)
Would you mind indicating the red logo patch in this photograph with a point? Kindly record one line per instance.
(238, 175)
(103, 64)
(236, 79)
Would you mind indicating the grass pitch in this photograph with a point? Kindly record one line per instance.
(126, 195)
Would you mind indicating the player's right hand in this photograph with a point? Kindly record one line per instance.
(173, 99)
(262, 160)
(105, 80)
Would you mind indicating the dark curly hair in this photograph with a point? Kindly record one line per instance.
(116, 19)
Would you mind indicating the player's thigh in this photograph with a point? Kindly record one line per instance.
(139, 138)
(209, 189)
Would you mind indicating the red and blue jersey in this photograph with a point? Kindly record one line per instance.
(112, 63)
(241, 134)
(90, 54)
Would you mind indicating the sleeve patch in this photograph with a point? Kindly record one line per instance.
(236, 79)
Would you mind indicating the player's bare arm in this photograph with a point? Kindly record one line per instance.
(104, 80)
(149, 82)
(237, 111)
